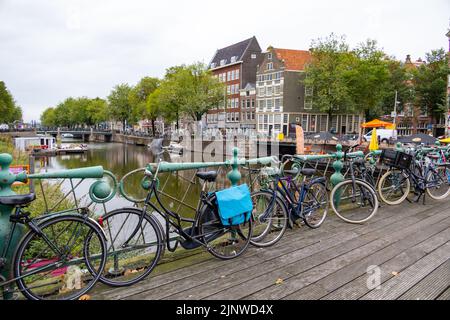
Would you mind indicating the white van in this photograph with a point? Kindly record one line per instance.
(384, 135)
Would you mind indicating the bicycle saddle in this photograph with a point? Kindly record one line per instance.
(17, 200)
(308, 172)
(209, 176)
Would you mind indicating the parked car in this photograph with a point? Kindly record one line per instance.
(384, 135)
(4, 127)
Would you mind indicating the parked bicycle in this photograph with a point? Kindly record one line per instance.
(137, 239)
(412, 168)
(354, 200)
(285, 198)
(61, 255)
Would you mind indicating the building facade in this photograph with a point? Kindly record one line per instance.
(248, 107)
(234, 65)
(282, 100)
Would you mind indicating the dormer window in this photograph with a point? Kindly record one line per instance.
(253, 55)
(213, 65)
(233, 59)
(223, 62)
(269, 56)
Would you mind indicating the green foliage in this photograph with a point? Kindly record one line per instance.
(9, 110)
(120, 106)
(430, 82)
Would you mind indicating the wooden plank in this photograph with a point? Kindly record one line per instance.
(310, 236)
(430, 287)
(345, 275)
(264, 275)
(398, 285)
(358, 287)
(303, 277)
(445, 295)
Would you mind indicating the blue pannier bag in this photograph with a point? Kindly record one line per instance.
(235, 205)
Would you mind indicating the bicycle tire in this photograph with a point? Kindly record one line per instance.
(309, 197)
(215, 234)
(133, 268)
(445, 184)
(260, 239)
(362, 185)
(383, 196)
(19, 263)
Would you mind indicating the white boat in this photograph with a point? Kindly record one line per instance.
(175, 148)
(66, 135)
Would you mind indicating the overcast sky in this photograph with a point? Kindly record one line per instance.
(50, 49)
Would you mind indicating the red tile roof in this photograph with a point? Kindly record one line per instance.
(293, 59)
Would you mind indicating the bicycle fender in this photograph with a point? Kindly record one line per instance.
(318, 180)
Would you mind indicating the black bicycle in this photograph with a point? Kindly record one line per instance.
(137, 239)
(284, 199)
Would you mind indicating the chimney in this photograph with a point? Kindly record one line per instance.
(408, 58)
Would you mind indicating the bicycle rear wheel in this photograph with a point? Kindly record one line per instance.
(129, 263)
(53, 264)
(269, 224)
(223, 242)
(315, 205)
(394, 187)
(438, 186)
(354, 203)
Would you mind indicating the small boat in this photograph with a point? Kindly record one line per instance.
(66, 135)
(175, 148)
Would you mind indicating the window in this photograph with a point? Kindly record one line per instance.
(228, 75)
(261, 91)
(285, 118)
(277, 118)
(277, 102)
(308, 91)
(261, 104)
(269, 103)
(233, 59)
(270, 66)
(213, 65)
(269, 91)
(258, 77)
(269, 77)
(228, 89)
(277, 89)
(253, 116)
(223, 62)
(248, 104)
(236, 116)
(269, 56)
(253, 103)
(237, 74)
(232, 75)
(253, 55)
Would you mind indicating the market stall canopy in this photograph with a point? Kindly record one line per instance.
(376, 123)
(446, 140)
(418, 138)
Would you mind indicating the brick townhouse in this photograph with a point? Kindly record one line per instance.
(234, 65)
(283, 100)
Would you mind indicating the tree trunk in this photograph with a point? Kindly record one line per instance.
(153, 127)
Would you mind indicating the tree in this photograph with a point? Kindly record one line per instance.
(368, 78)
(48, 118)
(430, 83)
(191, 90)
(154, 107)
(328, 75)
(119, 104)
(139, 96)
(9, 110)
(97, 111)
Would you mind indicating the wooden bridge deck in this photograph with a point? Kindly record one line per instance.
(410, 244)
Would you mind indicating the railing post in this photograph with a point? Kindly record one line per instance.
(337, 175)
(398, 146)
(234, 175)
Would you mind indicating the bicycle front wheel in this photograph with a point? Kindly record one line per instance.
(270, 218)
(438, 186)
(223, 242)
(315, 205)
(130, 262)
(53, 264)
(394, 187)
(354, 201)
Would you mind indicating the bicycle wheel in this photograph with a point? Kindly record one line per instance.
(223, 242)
(394, 187)
(129, 263)
(269, 224)
(354, 203)
(315, 205)
(52, 264)
(438, 186)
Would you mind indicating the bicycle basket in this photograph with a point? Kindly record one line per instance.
(235, 205)
(396, 159)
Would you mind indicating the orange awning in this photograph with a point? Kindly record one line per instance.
(378, 124)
